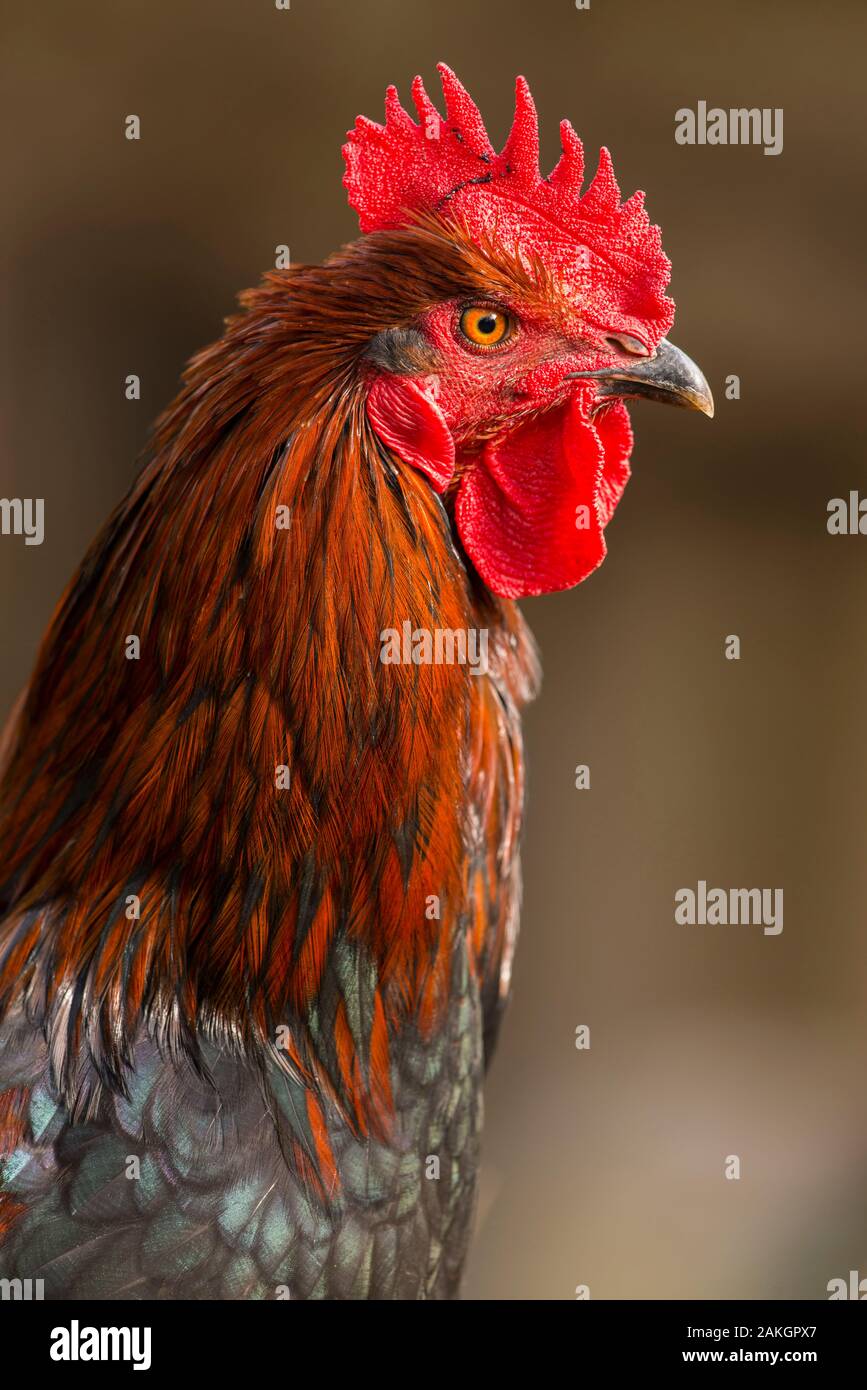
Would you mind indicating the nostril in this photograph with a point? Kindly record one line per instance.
(624, 342)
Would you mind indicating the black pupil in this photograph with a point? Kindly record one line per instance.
(488, 324)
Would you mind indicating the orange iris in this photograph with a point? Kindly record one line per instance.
(485, 327)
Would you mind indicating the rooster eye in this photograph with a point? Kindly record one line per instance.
(485, 327)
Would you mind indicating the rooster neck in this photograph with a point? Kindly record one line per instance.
(223, 813)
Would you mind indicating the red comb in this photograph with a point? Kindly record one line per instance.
(450, 167)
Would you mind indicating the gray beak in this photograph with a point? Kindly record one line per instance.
(669, 376)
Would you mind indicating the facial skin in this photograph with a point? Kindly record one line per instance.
(484, 387)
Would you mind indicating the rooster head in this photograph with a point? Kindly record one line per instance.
(508, 393)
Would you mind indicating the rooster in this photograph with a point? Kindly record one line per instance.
(259, 885)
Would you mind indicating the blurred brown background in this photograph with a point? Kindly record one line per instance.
(602, 1167)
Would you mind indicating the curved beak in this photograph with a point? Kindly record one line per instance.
(669, 376)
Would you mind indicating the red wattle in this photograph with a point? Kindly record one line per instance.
(614, 429)
(531, 506)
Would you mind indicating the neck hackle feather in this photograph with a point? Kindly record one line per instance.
(152, 781)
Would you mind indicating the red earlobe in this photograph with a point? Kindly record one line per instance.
(411, 423)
